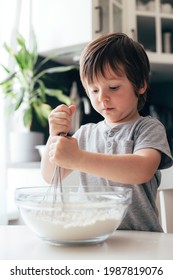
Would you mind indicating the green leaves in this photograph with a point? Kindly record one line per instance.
(27, 117)
(8, 79)
(59, 95)
(59, 69)
(26, 84)
(42, 112)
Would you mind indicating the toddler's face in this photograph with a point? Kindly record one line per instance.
(113, 97)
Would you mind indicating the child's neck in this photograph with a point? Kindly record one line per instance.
(112, 124)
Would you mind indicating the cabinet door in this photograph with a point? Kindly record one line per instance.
(151, 23)
(100, 17)
(146, 24)
(109, 18)
(61, 23)
(116, 16)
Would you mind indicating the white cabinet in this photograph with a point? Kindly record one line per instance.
(68, 25)
(59, 24)
(151, 23)
(63, 23)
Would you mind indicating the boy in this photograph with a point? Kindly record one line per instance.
(125, 149)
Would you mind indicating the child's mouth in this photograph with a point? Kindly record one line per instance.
(107, 109)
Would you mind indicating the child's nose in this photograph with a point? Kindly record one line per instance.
(103, 96)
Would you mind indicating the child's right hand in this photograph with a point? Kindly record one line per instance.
(60, 119)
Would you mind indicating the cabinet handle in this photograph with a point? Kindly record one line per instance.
(100, 9)
(134, 36)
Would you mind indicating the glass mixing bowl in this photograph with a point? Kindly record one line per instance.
(81, 215)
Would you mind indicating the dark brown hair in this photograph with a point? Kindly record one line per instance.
(121, 54)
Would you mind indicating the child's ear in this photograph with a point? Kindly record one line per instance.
(142, 90)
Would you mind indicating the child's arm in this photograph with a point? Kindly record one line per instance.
(59, 121)
(134, 168)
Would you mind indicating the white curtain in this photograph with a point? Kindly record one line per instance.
(15, 17)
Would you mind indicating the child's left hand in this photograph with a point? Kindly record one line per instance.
(64, 152)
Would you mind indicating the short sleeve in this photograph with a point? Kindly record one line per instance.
(151, 133)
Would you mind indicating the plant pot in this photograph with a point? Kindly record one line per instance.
(22, 146)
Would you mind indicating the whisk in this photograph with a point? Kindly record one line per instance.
(56, 183)
(57, 178)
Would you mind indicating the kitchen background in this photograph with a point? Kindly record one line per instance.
(73, 23)
(65, 26)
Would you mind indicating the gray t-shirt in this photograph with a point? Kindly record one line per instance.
(146, 132)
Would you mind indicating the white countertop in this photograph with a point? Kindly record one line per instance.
(19, 243)
(28, 165)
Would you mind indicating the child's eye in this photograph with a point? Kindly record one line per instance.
(114, 87)
(94, 90)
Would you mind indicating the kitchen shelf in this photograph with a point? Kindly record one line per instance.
(148, 39)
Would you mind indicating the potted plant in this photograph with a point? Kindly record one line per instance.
(26, 91)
